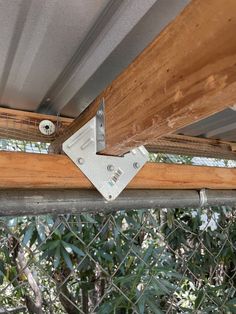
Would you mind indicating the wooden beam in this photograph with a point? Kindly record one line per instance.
(186, 74)
(35, 171)
(193, 146)
(22, 125)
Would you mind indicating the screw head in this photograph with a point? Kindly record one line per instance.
(100, 113)
(136, 165)
(110, 168)
(80, 161)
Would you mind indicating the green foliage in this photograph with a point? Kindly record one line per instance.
(156, 261)
(145, 261)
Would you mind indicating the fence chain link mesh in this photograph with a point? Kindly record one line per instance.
(179, 260)
(156, 261)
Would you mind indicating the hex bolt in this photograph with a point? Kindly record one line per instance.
(136, 165)
(80, 161)
(110, 168)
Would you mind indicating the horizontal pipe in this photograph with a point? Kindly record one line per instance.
(38, 202)
(221, 197)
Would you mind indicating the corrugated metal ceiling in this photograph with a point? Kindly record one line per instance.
(221, 126)
(37, 39)
(56, 56)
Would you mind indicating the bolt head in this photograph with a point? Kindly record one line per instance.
(136, 165)
(110, 168)
(80, 161)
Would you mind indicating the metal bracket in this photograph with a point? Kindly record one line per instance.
(109, 174)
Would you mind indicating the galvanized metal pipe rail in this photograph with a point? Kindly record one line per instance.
(39, 202)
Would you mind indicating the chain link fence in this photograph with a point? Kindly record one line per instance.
(14, 145)
(179, 260)
(156, 261)
(189, 160)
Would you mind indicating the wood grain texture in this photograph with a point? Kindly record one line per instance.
(34, 171)
(186, 74)
(22, 125)
(193, 146)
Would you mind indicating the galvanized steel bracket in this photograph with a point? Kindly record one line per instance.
(109, 174)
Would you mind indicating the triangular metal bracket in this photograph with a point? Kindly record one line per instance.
(109, 174)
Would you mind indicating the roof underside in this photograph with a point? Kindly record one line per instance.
(56, 56)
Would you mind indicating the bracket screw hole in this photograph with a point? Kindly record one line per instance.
(80, 161)
(110, 196)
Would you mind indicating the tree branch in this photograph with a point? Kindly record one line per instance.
(19, 309)
(36, 306)
(67, 300)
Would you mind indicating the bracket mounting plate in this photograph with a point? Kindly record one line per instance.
(109, 174)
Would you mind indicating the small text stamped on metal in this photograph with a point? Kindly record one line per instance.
(116, 176)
